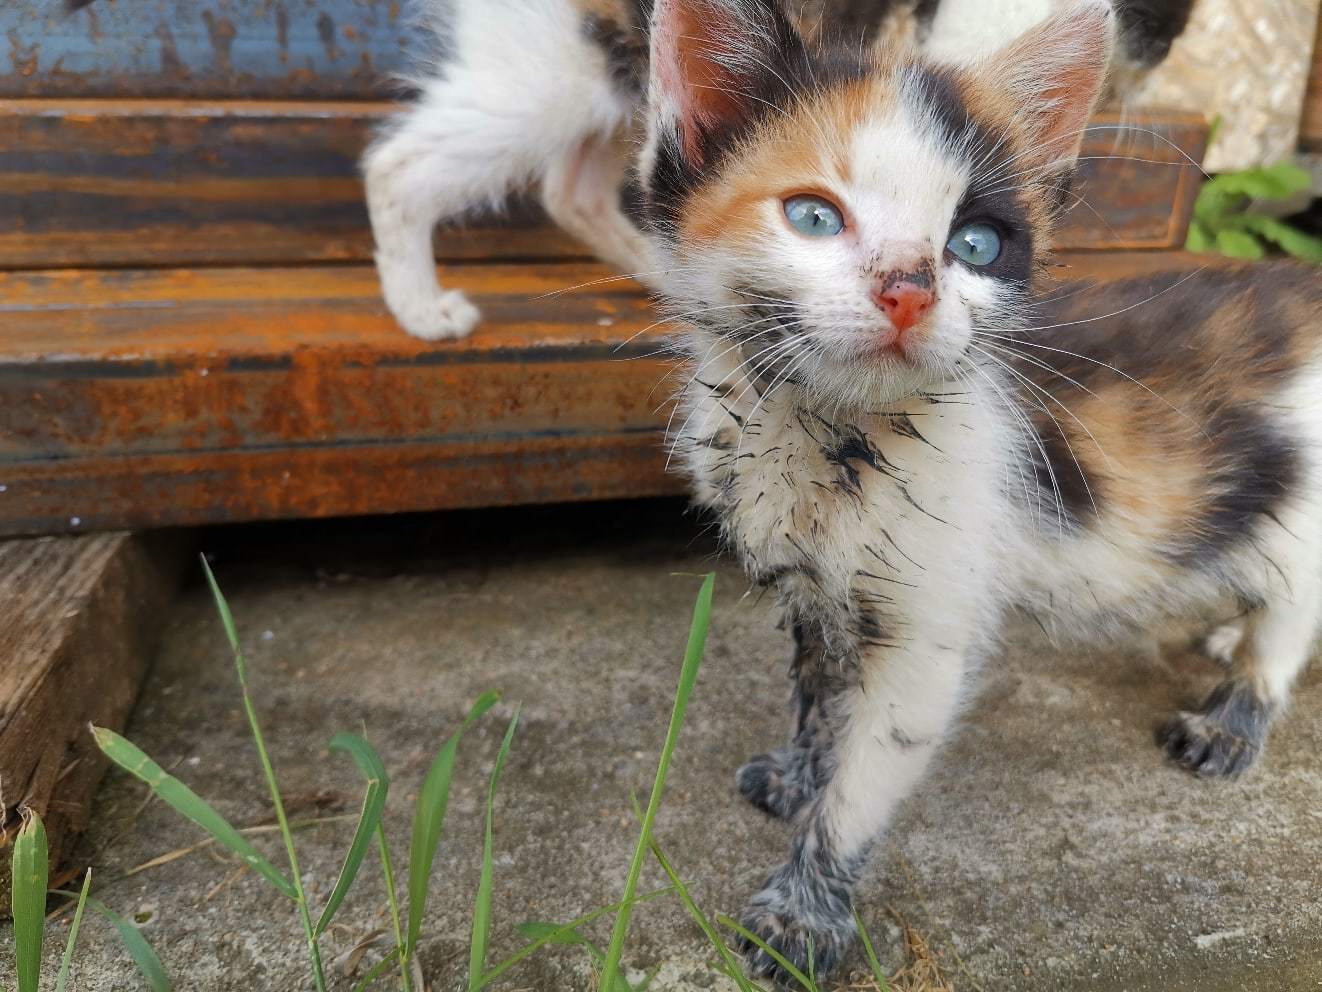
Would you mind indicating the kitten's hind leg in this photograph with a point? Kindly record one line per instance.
(1225, 735)
(523, 89)
(582, 193)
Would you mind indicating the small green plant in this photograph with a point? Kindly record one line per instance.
(31, 873)
(1224, 222)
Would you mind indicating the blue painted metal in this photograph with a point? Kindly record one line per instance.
(204, 48)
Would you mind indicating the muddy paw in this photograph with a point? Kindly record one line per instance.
(1221, 739)
(777, 783)
(812, 938)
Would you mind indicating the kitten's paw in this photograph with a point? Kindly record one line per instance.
(1223, 738)
(437, 317)
(779, 783)
(810, 934)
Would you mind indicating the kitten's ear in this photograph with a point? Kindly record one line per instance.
(1054, 74)
(715, 65)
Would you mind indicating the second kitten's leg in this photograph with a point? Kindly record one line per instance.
(581, 192)
(492, 123)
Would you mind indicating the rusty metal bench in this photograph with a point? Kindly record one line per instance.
(190, 329)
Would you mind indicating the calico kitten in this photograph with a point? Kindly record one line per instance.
(552, 94)
(903, 429)
(906, 434)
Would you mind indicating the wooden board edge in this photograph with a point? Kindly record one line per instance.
(109, 640)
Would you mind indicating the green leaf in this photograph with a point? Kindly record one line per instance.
(727, 957)
(1199, 239)
(139, 950)
(1238, 244)
(775, 955)
(878, 974)
(687, 677)
(553, 936)
(477, 952)
(188, 803)
(374, 805)
(377, 970)
(1289, 239)
(429, 817)
(30, 864)
(66, 962)
(227, 621)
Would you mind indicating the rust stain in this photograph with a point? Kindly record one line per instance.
(171, 63)
(222, 32)
(24, 59)
(326, 29)
(282, 31)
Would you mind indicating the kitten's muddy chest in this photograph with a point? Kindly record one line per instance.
(840, 513)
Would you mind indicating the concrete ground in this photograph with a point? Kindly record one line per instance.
(1052, 848)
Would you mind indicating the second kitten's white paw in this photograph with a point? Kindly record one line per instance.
(438, 317)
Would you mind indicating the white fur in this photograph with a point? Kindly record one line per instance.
(525, 99)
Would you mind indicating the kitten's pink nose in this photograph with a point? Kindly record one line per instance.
(904, 301)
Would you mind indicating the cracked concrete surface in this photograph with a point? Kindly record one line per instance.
(1052, 848)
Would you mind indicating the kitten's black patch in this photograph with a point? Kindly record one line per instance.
(1149, 27)
(1257, 468)
(1061, 477)
(1223, 737)
(626, 53)
(779, 783)
(785, 73)
(992, 196)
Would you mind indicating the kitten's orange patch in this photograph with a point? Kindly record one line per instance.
(804, 150)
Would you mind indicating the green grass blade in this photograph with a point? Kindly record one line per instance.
(557, 935)
(139, 950)
(878, 975)
(377, 971)
(374, 805)
(688, 675)
(66, 962)
(553, 936)
(30, 864)
(477, 952)
(226, 621)
(775, 955)
(727, 956)
(392, 900)
(268, 771)
(429, 817)
(188, 803)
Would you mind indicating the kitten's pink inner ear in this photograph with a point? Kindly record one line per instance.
(1055, 73)
(693, 43)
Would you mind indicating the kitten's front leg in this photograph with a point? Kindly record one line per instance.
(883, 728)
(783, 781)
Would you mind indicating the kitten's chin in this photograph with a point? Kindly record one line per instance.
(867, 386)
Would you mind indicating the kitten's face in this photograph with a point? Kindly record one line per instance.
(849, 249)
(849, 236)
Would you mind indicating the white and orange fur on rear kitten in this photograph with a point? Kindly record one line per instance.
(900, 426)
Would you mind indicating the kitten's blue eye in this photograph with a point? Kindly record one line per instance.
(976, 244)
(813, 216)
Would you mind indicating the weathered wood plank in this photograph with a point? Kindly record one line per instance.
(77, 619)
(156, 398)
(235, 48)
(85, 183)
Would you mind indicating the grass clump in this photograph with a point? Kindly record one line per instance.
(407, 907)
